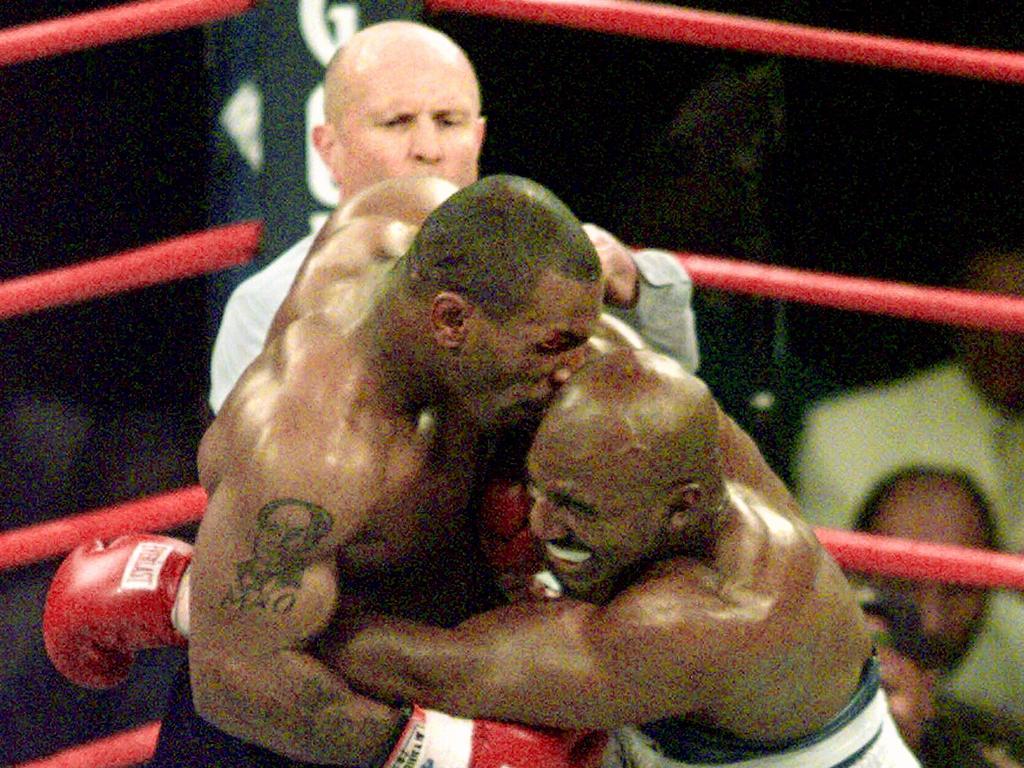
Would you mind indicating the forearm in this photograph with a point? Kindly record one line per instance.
(292, 704)
(530, 663)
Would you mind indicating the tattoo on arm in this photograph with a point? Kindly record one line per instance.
(287, 531)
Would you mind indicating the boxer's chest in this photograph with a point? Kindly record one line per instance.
(419, 553)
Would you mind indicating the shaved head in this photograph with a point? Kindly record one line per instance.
(645, 411)
(382, 46)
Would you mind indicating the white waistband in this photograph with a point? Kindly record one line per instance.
(855, 736)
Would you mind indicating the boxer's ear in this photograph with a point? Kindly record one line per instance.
(449, 317)
(480, 129)
(684, 503)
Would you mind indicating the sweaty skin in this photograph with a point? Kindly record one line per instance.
(340, 469)
(689, 596)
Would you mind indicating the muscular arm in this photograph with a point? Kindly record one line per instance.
(564, 663)
(264, 587)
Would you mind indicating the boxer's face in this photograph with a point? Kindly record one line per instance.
(599, 516)
(413, 113)
(511, 368)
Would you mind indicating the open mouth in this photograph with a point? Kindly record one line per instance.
(566, 554)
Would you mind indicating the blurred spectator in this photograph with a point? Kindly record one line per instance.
(964, 416)
(945, 508)
(942, 732)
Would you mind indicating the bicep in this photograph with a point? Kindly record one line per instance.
(264, 579)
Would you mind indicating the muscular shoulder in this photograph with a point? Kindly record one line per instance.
(356, 244)
(291, 423)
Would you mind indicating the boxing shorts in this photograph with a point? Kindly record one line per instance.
(863, 735)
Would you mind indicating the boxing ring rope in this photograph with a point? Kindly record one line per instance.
(109, 25)
(870, 553)
(709, 29)
(951, 306)
(119, 750)
(195, 254)
(158, 512)
(181, 257)
(234, 244)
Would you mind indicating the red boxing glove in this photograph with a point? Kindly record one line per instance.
(505, 538)
(106, 602)
(435, 739)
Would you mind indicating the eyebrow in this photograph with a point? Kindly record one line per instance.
(565, 500)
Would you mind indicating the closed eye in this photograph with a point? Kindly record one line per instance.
(398, 121)
(561, 500)
(449, 119)
(561, 342)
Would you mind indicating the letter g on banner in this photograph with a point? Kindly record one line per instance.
(324, 29)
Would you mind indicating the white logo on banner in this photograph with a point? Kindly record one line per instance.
(242, 119)
(323, 30)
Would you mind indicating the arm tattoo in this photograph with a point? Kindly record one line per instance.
(287, 531)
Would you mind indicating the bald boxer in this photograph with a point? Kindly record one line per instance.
(402, 100)
(695, 608)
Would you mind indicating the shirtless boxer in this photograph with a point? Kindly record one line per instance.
(695, 608)
(340, 469)
(94, 627)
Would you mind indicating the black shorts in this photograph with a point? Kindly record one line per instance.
(188, 741)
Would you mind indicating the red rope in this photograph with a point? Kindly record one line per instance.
(58, 537)
(923, 561)
(719, 30)
(906, 558)
(181, 257)
(854, 551)
(116, 751)
(214, 249)
(969, 309)
(108, 25)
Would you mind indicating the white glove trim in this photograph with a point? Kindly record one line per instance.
(179, 613)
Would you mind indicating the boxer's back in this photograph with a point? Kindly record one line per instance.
(356, 245)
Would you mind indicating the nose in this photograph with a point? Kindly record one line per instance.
(426, 142)
(567, 365)
(544, 523)
(933, 611)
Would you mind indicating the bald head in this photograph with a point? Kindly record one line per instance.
(641, 416)
(625, 470)
(386, 47)
(400, 100)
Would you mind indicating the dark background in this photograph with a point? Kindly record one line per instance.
(832, 167)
